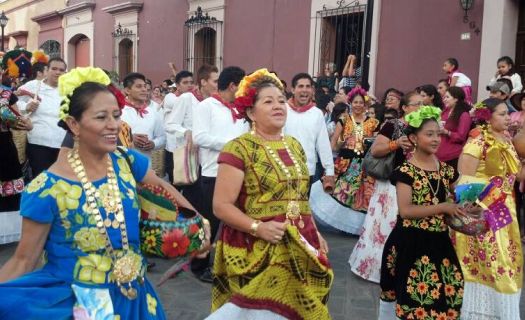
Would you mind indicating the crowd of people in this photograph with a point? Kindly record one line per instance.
(274, 169)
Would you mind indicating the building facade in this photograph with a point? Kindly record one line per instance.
(400, 43)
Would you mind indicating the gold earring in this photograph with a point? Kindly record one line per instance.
(253, 128)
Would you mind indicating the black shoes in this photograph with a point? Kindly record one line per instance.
(206, 276)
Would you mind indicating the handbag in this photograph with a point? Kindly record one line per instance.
(185, 165)
(381, 168)
(166, 230)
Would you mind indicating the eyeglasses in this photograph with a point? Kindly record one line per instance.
(415, 104)
(391, 98)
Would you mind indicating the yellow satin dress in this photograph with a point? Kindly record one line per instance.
(492, 262)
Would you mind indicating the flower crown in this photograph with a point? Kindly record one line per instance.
(358, 91)
(416, 118)
(482, 114)
(68, 82)
(245, 95)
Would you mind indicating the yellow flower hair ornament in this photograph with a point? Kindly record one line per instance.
(416, 118)
(245, 95)
(68, 82)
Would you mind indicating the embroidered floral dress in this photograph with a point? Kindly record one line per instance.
(492, 262)
(345, 209)
(381, 217)
(254, 279)
(77, 274)
(420, 273)
(11, 183)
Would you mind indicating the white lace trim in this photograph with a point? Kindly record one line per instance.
(329, 211)
(232, 311)
(10, 226)
(481, 302)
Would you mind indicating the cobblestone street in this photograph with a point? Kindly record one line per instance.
(186, 298)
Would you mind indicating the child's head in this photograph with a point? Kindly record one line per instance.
(371, 112)
(505, 66)
(423, 129)
(501, 89)
(450, 65)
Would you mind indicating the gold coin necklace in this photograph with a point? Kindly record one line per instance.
(293, 209)
(126, 266)
(359, 136)
(435, 199)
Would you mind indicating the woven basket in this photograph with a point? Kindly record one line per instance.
(20, 140)
(157, 162)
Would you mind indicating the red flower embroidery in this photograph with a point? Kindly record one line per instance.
(175, 243)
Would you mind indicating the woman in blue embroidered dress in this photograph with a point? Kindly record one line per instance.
(83, 212)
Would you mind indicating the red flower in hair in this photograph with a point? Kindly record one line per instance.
(244, 102)
(121, 99)
(482, 115)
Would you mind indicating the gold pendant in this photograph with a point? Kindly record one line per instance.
(132, 293)
(293, 211)
(435, 200)
(301, 223)
(125, 269)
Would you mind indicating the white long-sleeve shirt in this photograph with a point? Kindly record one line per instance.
(150, 124)
(213, 127)
(179, 119)
(46, 131)
(309, 128)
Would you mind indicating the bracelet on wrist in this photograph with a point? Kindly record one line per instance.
(392, 145)
(254, 227)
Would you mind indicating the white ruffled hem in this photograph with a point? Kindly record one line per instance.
(10, 226)
(482, 302)
(329, 211)
(232, 311)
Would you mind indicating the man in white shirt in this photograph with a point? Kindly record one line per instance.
(213, 126)
(180, 123)
(145, 122)
(46, 137)
(183, 83)
(305, 122)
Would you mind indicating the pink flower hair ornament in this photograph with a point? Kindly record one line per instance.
(482, 114)
(358, 91)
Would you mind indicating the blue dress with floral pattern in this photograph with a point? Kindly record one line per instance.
(76, 275)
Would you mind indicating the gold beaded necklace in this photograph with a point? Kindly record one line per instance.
(435, 199)
(293, 209)
(126, 266)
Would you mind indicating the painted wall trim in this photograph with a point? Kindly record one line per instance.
(88, 4)
(134, 5)
(46, 17)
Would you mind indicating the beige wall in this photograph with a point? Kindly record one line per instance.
(20, 13)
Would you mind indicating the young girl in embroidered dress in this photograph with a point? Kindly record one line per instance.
(420, 273)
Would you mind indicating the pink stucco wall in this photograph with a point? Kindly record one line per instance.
(273, 33)
(51, 30)
(159, 39)
(415, 37)
(161, 25)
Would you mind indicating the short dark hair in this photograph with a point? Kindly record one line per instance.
(299, 76)
(148, 81)
(38, 67)
(130, 79)
(57, 59)
(181, 75)
(229, 75)
(204, 72)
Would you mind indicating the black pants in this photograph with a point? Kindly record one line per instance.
(168, 164)
(207, 185)
(40, 158)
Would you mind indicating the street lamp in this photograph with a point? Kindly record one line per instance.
(466, 5)
(3, 23)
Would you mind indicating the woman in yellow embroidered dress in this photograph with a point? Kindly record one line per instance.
(492, 263)
(270, 260)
